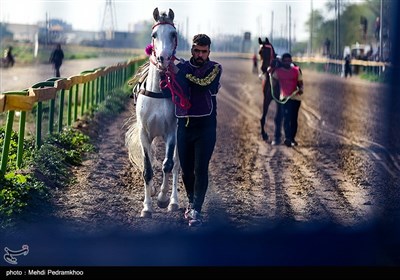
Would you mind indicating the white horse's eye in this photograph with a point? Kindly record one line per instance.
(154, 35)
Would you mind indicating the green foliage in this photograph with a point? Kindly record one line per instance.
(114, 104)
(323, 26)
(70, 145)
(374, 77)
(49, 167)
(15, 192)
(81, 56)
(319, 67)
(28, 149)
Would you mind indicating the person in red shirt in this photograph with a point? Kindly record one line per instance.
(290, 82)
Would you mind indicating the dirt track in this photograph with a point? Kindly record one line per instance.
(339, 178)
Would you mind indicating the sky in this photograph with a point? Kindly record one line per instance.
(213, 17)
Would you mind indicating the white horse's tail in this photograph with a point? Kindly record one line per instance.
(132, 142)
(134, 145)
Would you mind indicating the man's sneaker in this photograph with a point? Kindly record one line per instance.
(188, 212)
(275, 142)
(288, 143)
(294, 143)
(195, 218)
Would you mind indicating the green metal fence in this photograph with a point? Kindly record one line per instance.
(61, 101)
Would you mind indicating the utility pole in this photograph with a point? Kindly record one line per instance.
(187, 33)
(290, 30)
(338, 30)
(310, 48)
(47, 28)
(287, 28)
(380, 31)
(271, 36)
(109, 24)
(335, 29)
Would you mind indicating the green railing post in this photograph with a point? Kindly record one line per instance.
(98, 90)
(102, 88)
(92, 93)
(6, 144)
(88, 96)
(61, 110)
(83, 100)
(21, 137)
(51, 115)
(69, 108)
(38, 141)
(76, 102)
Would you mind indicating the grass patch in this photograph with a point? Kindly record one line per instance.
(50, 167)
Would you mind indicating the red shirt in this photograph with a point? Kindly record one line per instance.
(288, 79)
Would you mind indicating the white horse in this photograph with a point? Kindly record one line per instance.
(155, 115)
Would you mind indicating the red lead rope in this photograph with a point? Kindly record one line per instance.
(176, 90)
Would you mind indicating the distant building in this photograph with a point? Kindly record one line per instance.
(121, 40)
(246, 43)
(54, 31)
(22, 32)
(140, 26)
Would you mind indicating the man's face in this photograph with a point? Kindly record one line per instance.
(286, 62)
(200, 54)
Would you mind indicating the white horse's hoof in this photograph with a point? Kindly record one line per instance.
(145, 214)
(163, 204)
(173, 207)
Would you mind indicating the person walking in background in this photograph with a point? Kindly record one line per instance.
(56, 58)
(327, 47)
(9, 57)
(377, 28)
(255, 64)
(290, 80)
(196, 135)
(347, 66)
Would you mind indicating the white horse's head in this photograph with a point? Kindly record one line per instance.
(164, 38)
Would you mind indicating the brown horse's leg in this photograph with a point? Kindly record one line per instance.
(267, 100)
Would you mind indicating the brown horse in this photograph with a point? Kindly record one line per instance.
(268, 63)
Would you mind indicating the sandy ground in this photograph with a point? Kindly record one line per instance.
(327, 201)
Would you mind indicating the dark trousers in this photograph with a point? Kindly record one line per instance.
(290, 115)
(57, 69)
(278, 121)
(347, 71)
(195, 148)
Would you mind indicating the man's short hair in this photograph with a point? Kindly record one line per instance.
(201, 40)
(286, 55)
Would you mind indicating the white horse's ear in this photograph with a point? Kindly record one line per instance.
(171, 14)
(156, 14)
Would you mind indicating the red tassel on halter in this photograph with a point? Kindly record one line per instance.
(149, 49)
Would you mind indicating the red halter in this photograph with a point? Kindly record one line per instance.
(169, 81)
(176, 39)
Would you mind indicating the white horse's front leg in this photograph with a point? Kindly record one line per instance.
(147, 203)
(163, 199)
(174, 203)
(168, 165)
(148, 185)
